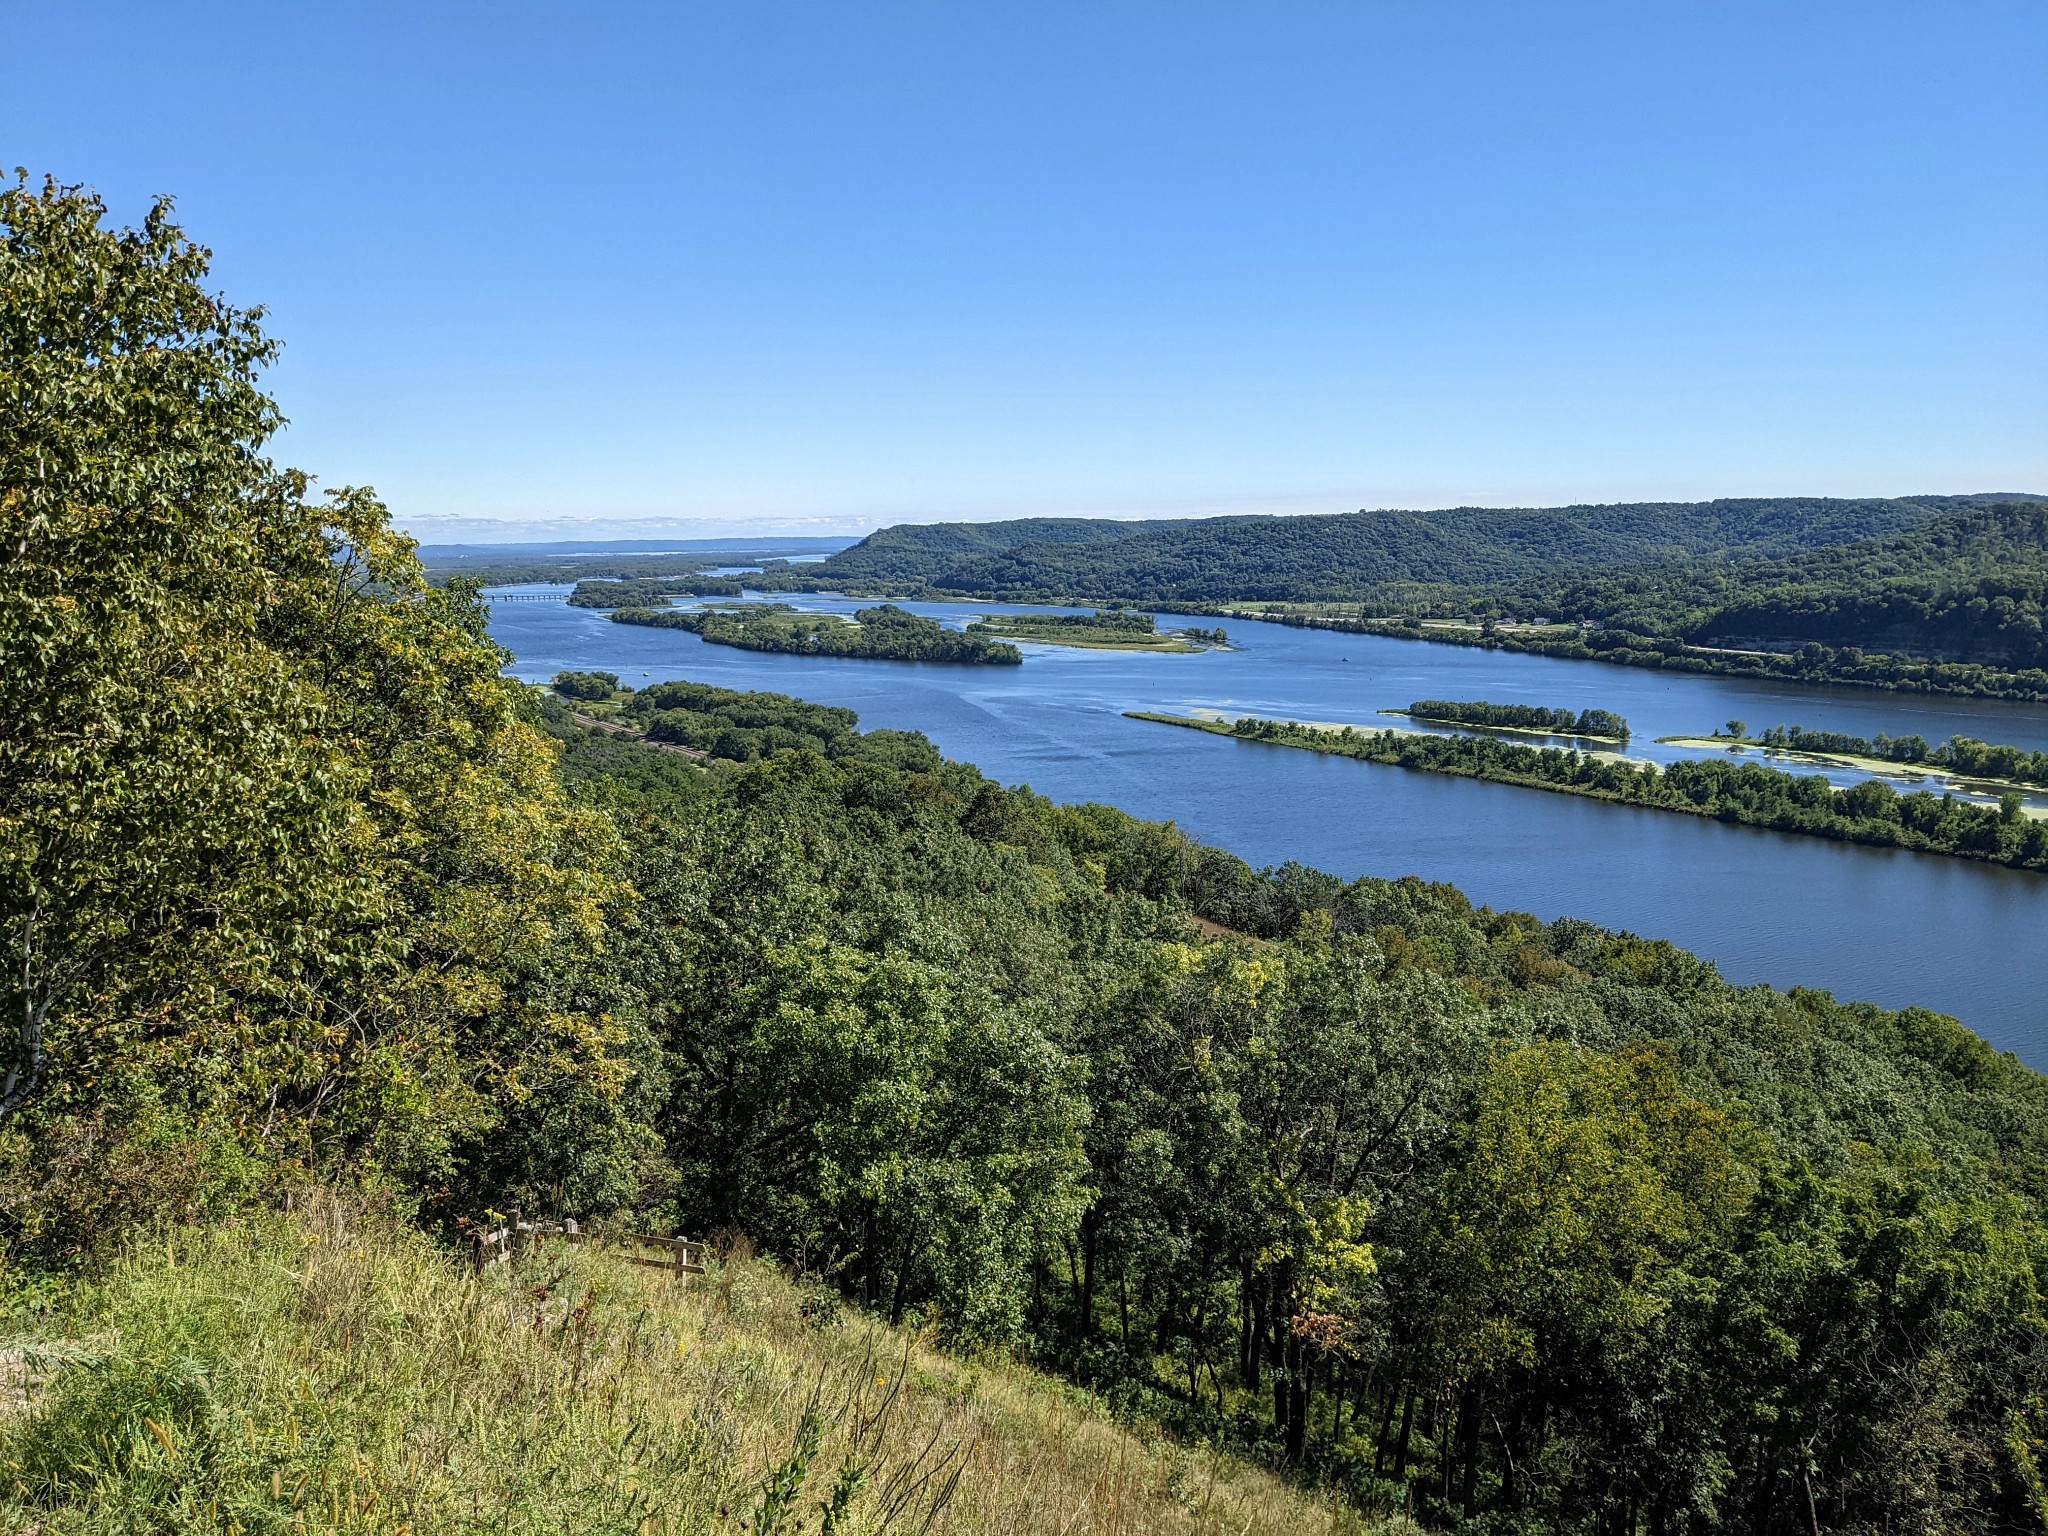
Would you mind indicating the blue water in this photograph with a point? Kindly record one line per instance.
(1877, 924)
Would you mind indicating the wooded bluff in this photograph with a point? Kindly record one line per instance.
(1529, 1224)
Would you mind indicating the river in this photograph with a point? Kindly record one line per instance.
(1881, 925)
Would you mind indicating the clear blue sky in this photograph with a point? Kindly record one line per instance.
(830, 266)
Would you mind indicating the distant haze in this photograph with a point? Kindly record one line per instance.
(562, 535)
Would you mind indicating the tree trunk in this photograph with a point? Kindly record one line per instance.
(1447, 1447)
(1300, 1387)
(1507, 1455)
(1469, 1421)
(1249, 1373)
(871, 1284)
(1090, 1221)
(1401, 1449)
(1280, 1393)
(1379, 1449)
(903, 1275)
(1280, 1358)
(1244, 1323)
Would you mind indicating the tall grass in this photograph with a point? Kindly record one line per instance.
(331, 1371)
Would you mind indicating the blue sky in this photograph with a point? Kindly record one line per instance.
(618, 269)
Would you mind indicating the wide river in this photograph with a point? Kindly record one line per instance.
(1878, 924)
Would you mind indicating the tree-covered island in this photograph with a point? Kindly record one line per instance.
(1593, 724)
(1106, 629)
(884, 633)
(1960, 757)
(649, 592)
(1746, 793)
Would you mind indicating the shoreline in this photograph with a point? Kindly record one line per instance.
(1838, 828)
(1220, 726)
(1509, 730)
(1876, 767)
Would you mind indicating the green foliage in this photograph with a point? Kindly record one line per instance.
(281, 867)
(1955, 606)
(597, 686)
(887, 633)
(1587, 722)
(503, 567)
(746, 727)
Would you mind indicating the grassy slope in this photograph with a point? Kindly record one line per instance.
(332, 1371)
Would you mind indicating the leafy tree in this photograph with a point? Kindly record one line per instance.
(281, 861)
(586, 685)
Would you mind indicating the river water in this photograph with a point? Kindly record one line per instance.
(1881, 925)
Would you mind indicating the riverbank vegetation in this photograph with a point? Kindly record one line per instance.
(1599, 724)
(328, 943)
(1872, 813)
(884, 633)
(1813, 662)
(1959, 754)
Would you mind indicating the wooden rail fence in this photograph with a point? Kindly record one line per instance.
(519, 1237)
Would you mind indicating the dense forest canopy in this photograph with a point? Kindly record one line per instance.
(1533, 1224)
(909, 555)
(1967, 586)
(1352, 555)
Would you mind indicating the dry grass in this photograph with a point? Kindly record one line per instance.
(330, 1371)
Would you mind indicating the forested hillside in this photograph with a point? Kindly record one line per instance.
(1350, 556)
(910, 554)
(1970, 586)
(1432, 1209)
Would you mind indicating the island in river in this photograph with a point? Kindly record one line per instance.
(1104, 630)
(884, 633)
(1750, 795)
(1521, 719)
